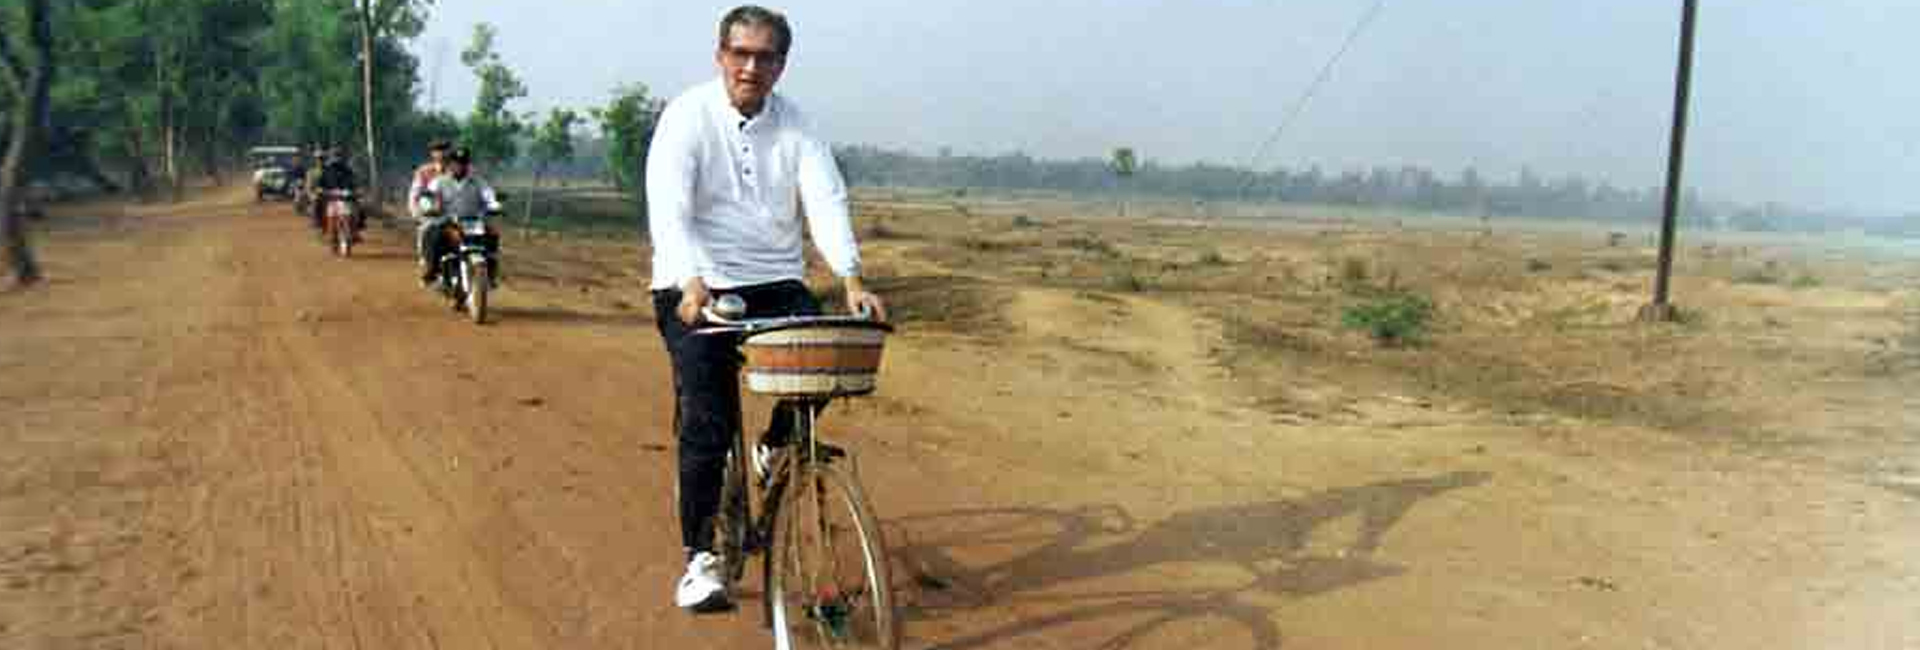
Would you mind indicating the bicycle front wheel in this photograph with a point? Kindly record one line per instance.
(826, 573)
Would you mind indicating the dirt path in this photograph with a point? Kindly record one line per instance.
(216, 436)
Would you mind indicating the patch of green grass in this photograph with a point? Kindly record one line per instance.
(1805, 280)
(1392, 319)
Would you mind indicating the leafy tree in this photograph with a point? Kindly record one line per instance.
(378, 18)
(492, 128)
(627, 124)
(1124, 165)
(552, 143)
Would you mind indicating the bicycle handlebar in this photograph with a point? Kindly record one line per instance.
(718, 324)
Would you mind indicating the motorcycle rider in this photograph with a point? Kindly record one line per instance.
(296, 173)
(335, 175)
(457, 193)
(310, 179)
(424, 175)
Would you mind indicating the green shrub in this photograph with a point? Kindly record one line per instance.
(1391, 319)
(1212, 258)
(1535, 265)
(1805, 281)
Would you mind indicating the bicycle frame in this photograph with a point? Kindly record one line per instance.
(742, 532)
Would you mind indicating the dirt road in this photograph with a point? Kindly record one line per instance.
(215, 436)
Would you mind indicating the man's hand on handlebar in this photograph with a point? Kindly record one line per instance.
(693, 297)
(862, 302)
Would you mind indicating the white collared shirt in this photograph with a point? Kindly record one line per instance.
(725, 192)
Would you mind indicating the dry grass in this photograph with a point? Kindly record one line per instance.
(1531, 322)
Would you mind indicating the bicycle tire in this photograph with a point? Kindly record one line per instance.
(820, 515)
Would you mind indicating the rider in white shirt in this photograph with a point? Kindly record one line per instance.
(457, 193)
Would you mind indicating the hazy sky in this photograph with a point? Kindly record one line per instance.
(1794, 101)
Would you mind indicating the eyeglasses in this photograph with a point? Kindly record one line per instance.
(764, 58)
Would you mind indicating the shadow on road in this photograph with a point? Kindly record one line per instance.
(1055, 561)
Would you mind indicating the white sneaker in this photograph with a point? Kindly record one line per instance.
(764, 456)
(702, 589)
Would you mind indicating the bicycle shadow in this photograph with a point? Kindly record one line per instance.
(1060, 558)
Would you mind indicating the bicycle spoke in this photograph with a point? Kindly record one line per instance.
(831, 570)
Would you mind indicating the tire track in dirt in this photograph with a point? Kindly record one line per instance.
(352, 470)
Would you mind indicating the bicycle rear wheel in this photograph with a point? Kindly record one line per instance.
(826, 570)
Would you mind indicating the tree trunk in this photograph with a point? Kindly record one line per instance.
(210, 156)
(168, 168)
(139, 176)
(366, 84)
(30, 82)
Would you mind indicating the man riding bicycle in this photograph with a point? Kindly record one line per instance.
(730, 167)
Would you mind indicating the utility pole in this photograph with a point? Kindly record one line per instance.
(433, 83)
(1661, 309)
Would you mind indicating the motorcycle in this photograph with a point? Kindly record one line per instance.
(340, 227)
(469, 263)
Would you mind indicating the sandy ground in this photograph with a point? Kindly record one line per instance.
(212, 435)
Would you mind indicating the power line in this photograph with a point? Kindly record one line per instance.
(1300, 105)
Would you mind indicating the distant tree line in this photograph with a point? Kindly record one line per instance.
(1467, 192)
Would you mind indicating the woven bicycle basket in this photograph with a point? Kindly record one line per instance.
(815, 360)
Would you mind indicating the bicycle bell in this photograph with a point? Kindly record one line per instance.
(730, 307)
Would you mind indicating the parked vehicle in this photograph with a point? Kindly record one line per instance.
(274, 172)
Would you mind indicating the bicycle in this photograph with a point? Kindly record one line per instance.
(824, 564)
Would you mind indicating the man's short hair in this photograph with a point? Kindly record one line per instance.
(758, 16)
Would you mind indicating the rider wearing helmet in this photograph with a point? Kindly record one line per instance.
(457, 193)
